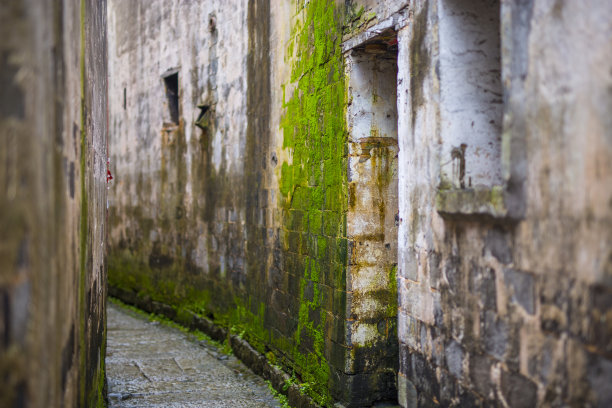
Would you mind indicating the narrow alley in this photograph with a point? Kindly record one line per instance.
(153, 365)
(372, 203)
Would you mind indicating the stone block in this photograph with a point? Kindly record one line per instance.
(482, 285)
(454, 358)
(437, 349)
(369, 278)
(339, 302)
(599, 377)
(522, 287)
(339, 356)
(600, 310)
(497, 244)
(554, 300)
(408, 330)
(360, 389)
(518, 391)
(480, 374)
(423, 375)
(243, 350)
(408, 264)
(453, 273)
(448, 388)
(495, 335)
(433, 260)
(276, 376)
(406, 392)
(467, 398)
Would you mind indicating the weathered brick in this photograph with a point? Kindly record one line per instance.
(497, 243)
(480, 374)
(522, 287)
(519, 391)
(495, 335)
(482, 284)
(454, 358)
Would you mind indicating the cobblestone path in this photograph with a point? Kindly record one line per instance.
(151, 365)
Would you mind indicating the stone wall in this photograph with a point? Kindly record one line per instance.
(238, 211)
(505, 288)
(336, 164)
(177, 206)
(52, 203)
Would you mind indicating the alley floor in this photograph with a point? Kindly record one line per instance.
(151, 365)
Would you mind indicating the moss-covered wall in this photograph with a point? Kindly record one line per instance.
(53, 203)
(244, 219)
(312, 196)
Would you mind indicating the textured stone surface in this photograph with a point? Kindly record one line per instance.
(275, 213)
(518, 266)
(53, 149)
(239, 212)
(152, 365)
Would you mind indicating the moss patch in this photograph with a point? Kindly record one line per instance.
(313, 183)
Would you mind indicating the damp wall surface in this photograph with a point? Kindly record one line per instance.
(177, 205)
(238, 212)
(52, 203)
(256, 208)
(505, 291)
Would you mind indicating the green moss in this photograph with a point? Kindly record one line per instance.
(315, 181)
(357, 18)
(98, 398)
(250, 324)
(127, 271)
(392, 300)
(370, 16)
(282, 399)
(313, 191)
(186, 295)
(152, 317)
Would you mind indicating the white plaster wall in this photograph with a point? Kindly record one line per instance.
(569, 141)
(372, 111)
(471, 102)
(372, 162)
(557, 74)
(147, 39)
(419, 169)
(282, 19)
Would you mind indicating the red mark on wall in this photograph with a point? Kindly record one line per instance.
(109, 176)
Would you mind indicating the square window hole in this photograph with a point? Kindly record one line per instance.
(172, 96)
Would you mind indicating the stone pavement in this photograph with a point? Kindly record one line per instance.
(152, 365)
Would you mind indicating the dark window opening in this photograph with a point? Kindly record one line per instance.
(124, 98)
(172, 96)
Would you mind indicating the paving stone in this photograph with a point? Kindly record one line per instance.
(151, 365)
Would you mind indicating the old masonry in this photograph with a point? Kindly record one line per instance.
(392, 201)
